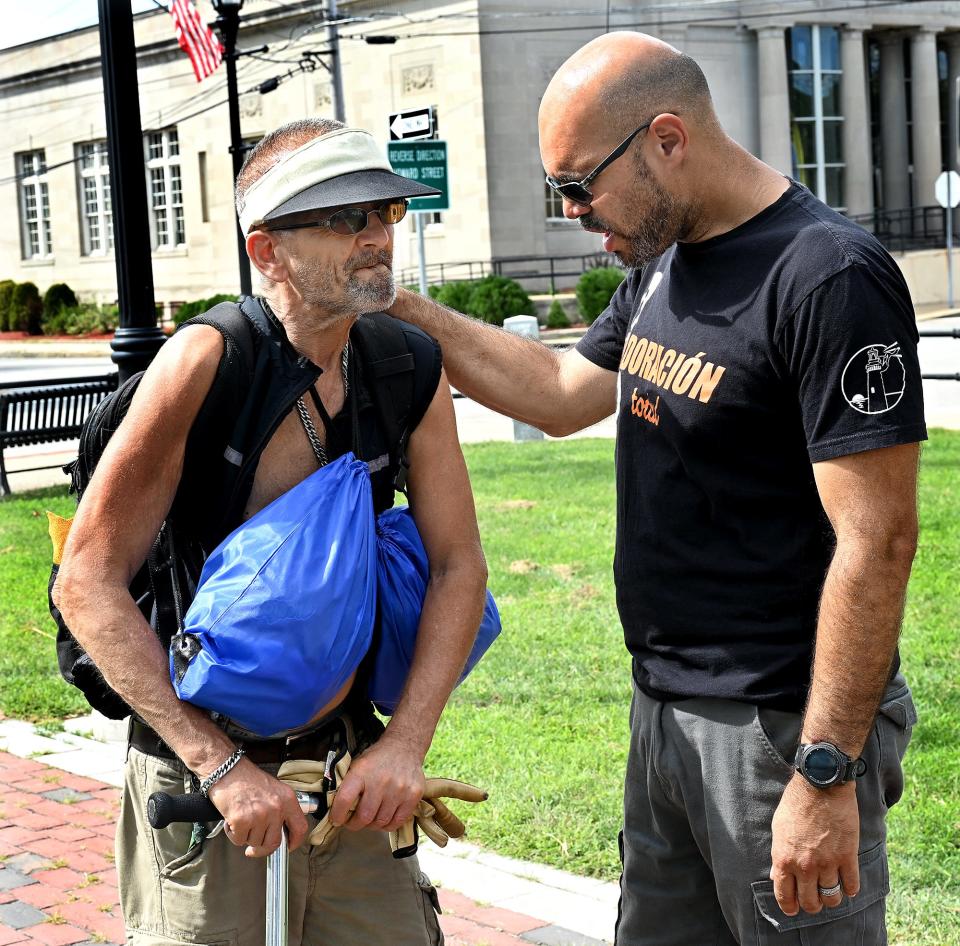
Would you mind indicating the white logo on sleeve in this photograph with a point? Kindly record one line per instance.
(874, 379)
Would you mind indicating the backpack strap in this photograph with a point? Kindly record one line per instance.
(228, 319)
(401, 385)
(208, 465)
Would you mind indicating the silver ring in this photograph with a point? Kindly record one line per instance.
(830, 891)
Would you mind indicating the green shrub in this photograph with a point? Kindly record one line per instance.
(495, 298)
(6, 295)
(594, 290)
(454, 295)
(58, 296)
(84, 319)
(26, 308)
(556, 317)
(189, 309)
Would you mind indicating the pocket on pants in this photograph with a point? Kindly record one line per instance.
(431, 910)
(778, 734)
(843, 925)
(896, 718)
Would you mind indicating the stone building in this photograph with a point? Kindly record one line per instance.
(856, 99)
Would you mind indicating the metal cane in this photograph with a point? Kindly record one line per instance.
(164, 809)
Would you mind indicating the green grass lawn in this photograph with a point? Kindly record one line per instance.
(542, 721)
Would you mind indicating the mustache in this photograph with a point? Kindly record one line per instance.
(592, 222)
(371, 259)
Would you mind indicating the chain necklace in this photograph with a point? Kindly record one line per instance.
(319, 451)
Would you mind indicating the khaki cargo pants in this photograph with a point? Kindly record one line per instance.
(352, 893)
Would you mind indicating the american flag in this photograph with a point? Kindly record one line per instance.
(196, 39)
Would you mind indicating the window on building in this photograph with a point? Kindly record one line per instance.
(31, 168)
(96, 212)
(816, 112)
(553, 203)
(165, 189)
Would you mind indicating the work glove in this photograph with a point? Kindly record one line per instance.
(436, 820)
(311, 775)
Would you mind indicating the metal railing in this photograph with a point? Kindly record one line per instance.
(546, 269)
(913, 228)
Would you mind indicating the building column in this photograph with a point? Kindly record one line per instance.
(775, 148)
(952, 42)
(893, 123)
(925, 97)
(858, 178)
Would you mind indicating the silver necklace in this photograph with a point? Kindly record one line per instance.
(319, 451)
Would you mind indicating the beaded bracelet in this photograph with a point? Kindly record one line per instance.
(219, 772)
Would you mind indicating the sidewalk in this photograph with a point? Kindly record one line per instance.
(59, 801)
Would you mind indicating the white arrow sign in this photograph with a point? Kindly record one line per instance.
(415, 123)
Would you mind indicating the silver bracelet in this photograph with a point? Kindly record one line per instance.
(219, 772)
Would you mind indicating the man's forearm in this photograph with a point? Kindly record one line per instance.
(861, 612)
(508, 373)
(125, 649)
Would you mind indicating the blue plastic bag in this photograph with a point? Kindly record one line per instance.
(285, 607)
(402, 575)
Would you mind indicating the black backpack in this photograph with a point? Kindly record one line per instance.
(165, 584)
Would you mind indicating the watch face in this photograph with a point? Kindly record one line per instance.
(821, 765)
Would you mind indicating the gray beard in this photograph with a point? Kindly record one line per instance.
(372, 295)
(353, 296)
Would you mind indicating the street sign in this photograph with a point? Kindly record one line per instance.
(947, 189)
(426, 162)
(413, 123)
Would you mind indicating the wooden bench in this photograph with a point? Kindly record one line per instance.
(47, 411)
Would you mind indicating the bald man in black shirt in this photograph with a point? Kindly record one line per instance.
(761, 358)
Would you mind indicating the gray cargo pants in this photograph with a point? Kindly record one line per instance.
(704, 777)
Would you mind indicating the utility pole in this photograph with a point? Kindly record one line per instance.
(336, 77)
(229, 22)
(138, 337)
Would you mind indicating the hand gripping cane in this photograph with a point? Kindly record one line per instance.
(164, 809)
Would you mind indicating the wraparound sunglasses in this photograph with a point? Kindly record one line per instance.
(576, 191)
(351, 220)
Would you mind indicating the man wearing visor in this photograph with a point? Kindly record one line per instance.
(761, 358)
(318, 202)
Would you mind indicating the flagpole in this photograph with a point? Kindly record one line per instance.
(229, 12)
(138, 337)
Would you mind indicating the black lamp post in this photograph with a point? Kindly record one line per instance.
(138, 337)
(229, 21)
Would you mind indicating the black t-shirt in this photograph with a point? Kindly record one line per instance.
(743, 360)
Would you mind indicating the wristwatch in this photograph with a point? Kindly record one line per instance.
(823, 765)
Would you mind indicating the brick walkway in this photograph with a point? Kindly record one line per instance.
(58, 885)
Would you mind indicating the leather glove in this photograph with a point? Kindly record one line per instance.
(307, 775)
(436, 820)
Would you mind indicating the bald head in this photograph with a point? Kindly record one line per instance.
(624, 79)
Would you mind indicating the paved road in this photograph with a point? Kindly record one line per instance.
(29, 369)
(475, 423)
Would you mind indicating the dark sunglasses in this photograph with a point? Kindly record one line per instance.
(576, 191)
(351, 220)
